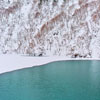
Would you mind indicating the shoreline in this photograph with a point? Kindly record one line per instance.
(10, 63)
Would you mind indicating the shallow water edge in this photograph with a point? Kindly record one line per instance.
(10, 63)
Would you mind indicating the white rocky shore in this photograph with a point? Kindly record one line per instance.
(14, 62)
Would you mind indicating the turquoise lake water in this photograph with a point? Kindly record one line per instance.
(64, 80)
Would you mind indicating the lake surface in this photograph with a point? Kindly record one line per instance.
(65, 80)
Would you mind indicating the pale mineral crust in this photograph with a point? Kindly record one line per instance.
(48, 28)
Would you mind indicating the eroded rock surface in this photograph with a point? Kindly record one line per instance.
(66, 28)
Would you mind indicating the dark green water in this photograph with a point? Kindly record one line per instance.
(66, 80)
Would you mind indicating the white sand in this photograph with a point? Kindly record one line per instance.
(14, 62)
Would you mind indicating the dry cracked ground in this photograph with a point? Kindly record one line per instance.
(68, 28)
